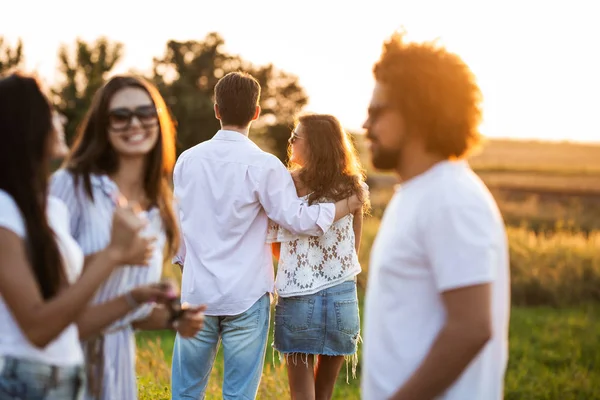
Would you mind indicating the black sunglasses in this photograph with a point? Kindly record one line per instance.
(119, 119)
(294, 137)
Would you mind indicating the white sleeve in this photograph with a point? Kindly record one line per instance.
(62, 186)
(277, 195)
(277, 234)
(272, 232)
(179, 257)
(10, 216)
(461, 245)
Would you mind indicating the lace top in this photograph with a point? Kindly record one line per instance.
(308, 264)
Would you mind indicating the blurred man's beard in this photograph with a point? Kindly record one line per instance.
(385, 159)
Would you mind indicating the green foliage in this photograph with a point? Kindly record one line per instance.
(10, 57)
(558, 268)
(84, 68)
(187, 74)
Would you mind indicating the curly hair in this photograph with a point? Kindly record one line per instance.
(436, 93)
(332, 169)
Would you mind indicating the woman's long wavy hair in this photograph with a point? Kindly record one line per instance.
(26, 134)
(332, 169)
(92, 152)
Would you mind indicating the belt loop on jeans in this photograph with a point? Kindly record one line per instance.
(54, 376)
(10, 367)
(94, 365)
(79, 381)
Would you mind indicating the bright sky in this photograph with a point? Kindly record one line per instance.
(536, 60)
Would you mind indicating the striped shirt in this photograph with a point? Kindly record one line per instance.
(90, 224)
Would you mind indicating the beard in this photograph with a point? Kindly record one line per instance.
(384, 159)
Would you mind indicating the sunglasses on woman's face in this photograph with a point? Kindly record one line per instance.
(119, 119)
(294, 137)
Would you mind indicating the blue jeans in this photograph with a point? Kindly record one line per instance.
(326, 322)
(22, 379)
(244, 338)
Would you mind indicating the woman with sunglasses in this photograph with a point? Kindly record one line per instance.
(316, 316)
(124, 147)
(44, 285)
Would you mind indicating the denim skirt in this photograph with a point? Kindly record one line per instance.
(325, 323)
(29, 380)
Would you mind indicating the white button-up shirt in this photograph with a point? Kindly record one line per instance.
(226, 190)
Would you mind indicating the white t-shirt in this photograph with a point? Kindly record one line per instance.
(65, 350)
(442, 230)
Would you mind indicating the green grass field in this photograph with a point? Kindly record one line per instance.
(547, 193)
(553, 355)
(554, 329)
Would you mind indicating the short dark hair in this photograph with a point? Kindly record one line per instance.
(237, 94)
(436, 93)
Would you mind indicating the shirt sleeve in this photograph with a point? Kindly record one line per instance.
(461, 245)
(62, 186)
(277, 195)
(272, 232)
(10, 216)
(277, 234)
(179, 257)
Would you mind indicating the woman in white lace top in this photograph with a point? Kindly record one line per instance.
(316, 317)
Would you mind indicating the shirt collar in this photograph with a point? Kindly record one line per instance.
(424, 176)
(111, 190)
(104, 183)
(231, 136)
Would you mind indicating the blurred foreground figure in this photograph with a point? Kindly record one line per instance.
(437, 304)
(45, 283)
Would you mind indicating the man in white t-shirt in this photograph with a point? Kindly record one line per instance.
(438, 295)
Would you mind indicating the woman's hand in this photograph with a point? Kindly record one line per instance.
(191, 322)
(127, 245)
(354, 203)
(358, 200)
(150, 293)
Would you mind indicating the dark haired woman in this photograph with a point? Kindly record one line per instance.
(44, 285)
(124, 147)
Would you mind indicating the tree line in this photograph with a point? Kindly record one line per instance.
(186, 75)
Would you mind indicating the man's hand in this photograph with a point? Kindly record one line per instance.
(191, 322)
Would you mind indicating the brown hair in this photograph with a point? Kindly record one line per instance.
(332, 169)
(237, 94)
(26, 126)
(93, 153)
(436, 93)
